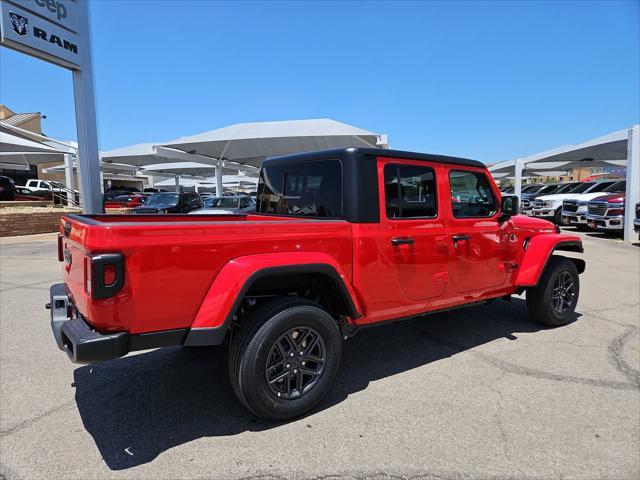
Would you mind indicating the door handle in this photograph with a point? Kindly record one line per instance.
(460, 238)
(396, 241)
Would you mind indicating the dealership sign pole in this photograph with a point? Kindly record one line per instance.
(58, 31)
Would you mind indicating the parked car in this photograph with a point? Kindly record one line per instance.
(526, 197)
(7, 189)
(58, 190)
(183, 202)
(574, 209)
(23, 194)
(333, 248)
(636, 220)
(225, 205)
(154, 190)
(549, 207)
(131, 200)
(606, 213)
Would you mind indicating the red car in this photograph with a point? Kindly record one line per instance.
(130, 200)
(342, 240)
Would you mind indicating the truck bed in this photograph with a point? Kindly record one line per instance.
(172, 260)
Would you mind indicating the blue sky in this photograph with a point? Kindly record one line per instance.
(486, 80)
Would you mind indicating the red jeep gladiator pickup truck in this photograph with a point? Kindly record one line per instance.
(341, 240)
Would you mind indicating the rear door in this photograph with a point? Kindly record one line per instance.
(416, 240)
(477, 240)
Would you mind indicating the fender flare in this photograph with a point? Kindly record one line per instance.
(539, 250)
(238, 275)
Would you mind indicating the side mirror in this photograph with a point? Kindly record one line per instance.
(509, 206)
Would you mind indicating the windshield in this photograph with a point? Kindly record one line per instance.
(567, 187)
(221, 202)
(582, 187)
(617, 187)
(528, 188)
(162, 200)
(548, 189)
(600, 187)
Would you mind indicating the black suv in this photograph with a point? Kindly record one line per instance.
(169, 202)
(7, 189)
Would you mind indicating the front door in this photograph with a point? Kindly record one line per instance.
(477, 240)
(417, 243)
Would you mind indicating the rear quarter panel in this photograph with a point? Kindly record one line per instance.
(170, 266)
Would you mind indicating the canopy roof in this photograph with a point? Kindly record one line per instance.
(250, 143)
(106, 168)
(191, 168)
(19, 152)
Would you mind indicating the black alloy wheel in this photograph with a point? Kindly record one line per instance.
(295, 363)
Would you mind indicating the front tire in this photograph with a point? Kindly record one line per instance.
(283, 360)
(553, 301)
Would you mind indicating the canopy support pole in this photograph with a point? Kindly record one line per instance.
(519, 166)
(177, 178)
(219, 180)
(88, 158)
(633, 181)
(68, 179)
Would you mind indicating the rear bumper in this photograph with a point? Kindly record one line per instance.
(75, 336)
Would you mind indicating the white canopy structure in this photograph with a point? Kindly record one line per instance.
(19, 153)
(192, 168)
(619, 148)
(251, 143)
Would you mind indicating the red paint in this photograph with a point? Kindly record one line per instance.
(133, 200)
(185, 271)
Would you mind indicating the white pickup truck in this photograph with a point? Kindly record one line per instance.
(575, 209)
(550, 206)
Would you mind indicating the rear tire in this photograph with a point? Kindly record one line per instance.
(553, 301)
(284, 358)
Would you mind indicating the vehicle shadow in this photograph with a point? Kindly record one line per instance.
(139, 406)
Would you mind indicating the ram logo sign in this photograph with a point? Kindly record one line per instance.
(19, 24)
(41, 35)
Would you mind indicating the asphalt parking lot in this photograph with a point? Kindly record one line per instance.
(479, 393)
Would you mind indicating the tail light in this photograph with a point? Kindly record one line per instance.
(60, 251)
(104, 275)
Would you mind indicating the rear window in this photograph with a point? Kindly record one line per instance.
(309, 189)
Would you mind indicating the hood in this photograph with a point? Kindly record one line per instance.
(523, 222)
(611, 198)
(557, 196)
(590, 196)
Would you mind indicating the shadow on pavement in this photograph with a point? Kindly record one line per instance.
(139, 406)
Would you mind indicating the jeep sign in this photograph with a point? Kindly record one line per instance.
(39, 36)
(58, 31)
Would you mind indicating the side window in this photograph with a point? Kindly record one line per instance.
(471, 195)
(310, 189)
(410, 192)
(244, 203)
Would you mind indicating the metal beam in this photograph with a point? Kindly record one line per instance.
(88, 156)
(633, 181)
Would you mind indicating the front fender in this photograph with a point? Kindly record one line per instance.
(538, 253)
(234, 279)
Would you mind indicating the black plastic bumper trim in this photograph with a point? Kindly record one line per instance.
(85, 345)
(201, 337)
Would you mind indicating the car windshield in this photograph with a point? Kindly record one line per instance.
(600, 187)
(548, 189)
(582, 187)
(528, 188)
(162, 200)
(567, 187)
(620, 186)
(221, 202)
